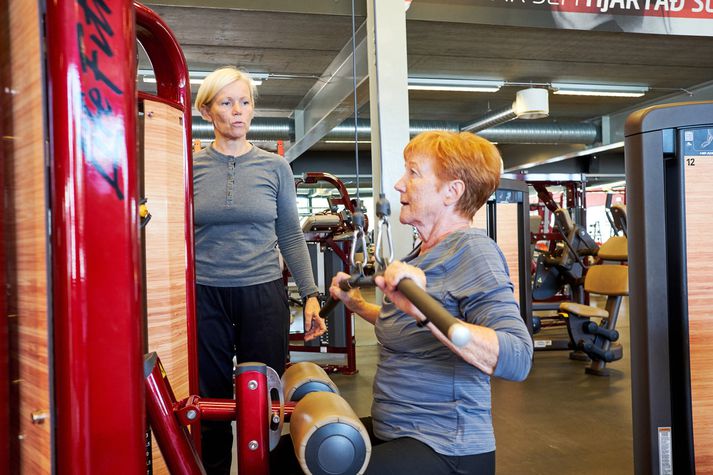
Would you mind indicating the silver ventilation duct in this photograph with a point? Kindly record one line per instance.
(543, 133)
(270, 128)
(490, 119)
(532, 103)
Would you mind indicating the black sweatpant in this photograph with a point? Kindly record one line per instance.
(251, 323)
(403, 456)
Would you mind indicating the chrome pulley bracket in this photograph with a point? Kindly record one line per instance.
(383, 211)
(358, 242)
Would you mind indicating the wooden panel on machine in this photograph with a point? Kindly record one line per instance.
(25, 236)
(508, 240)
(480, 220)
(165, 245)
(507, 236)
(699, 216)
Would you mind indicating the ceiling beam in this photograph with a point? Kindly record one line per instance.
(481, 14)
(312, 7)
(331, 99)
(701, 92)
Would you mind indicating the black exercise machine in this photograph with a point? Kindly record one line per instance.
(565, 265)
(598, 340)
(330, 233)
(558, 273)
(669, 171)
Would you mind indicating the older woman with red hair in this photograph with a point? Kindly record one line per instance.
(431, 411)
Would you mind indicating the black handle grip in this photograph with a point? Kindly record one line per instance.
(594, 329)
(328, 307)
(354, 281)
(449, 325)
(597, 353)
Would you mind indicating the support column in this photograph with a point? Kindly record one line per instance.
(388, 93)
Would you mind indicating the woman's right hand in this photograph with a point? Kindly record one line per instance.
(352, 299)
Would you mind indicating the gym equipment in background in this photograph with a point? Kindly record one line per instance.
(565, 265)
(597, 341)
(616, 215)
(618, 218)
(329, 236)
(560, 269)
(561, 253)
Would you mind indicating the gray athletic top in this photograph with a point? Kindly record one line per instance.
(244, 207)
(422, 389)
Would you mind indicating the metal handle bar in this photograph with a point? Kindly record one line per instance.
(449, 325)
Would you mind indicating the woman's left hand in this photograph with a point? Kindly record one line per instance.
(314, 324)
(390, 280)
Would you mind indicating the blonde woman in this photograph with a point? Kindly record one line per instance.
(245, 206)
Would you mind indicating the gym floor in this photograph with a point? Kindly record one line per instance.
(560, 420)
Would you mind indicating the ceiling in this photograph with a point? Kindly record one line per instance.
(296, 41)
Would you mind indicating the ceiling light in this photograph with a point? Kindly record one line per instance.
(467, 85)
(258, 78)
(610, 90)
(608, 187)
(152, 80)
(532, 103)
(197, 77)
(195, 81)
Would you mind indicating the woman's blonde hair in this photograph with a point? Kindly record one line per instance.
(461, 156)
(220, 78)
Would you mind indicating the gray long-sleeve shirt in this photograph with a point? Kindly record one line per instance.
(244, 207)
(424, 390)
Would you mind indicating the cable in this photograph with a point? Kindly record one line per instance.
(358, 220)
(356, 107)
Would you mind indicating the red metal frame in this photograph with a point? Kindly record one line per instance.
(350, 368)
(173, 87)
(221, 409)
(252, 419)
(574, 194)
(576, 199)
(91, 58)
(311, 178)
(172, 437)
(250, 410)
